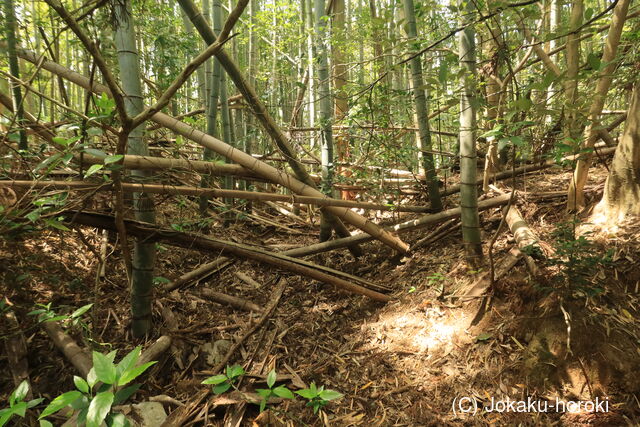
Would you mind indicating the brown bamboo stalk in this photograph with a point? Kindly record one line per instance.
(398, 228)
(210, 192)
(192, 241)
(240, 157)
(230, 300)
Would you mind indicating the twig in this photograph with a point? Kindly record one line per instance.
(275, 299)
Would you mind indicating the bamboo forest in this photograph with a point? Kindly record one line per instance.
(319, 213)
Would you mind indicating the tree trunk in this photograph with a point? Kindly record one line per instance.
(212, 107)
(468, 158)
(340, 78)
(420, 100)
(143, 253)
(573, 64)
(14, 68)
(576, 187)
(622, 190)
(324, 108)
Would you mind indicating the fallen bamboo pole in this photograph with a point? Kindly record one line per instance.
(226, 150)
(71, 350)
(399, 228)
(230, 300)
(149, 232)
(209, 192)
(160, 163)
(528, 168)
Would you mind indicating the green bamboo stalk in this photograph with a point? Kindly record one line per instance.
(14, 68)
(422, 112)
(468, 158)
(143, 253)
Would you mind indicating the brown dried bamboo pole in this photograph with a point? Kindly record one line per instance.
(72, 351)
(210, 192)
(191, 241)
(199, 273)
(528, 168)
(224, 149)
(399, 228)
(262, 114)
(230, 300)
(160, 163)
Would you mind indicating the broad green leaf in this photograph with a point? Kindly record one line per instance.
(55, 318)
(271, 378)
(264, 392)
(134, 373)
(123, 394)
(19, 409)
(216, 379)
(60, 402)
(221, 388)
(112, 355)
(54, 223)
(329, 395)
(263, 404)
(19, 393)
(92, 378)
(284, 392)
(34, 402)
(82, 416)
(93, 169)
(105, 369)
(5, 415)
(94, 152)
(48, 161)
(235, 371)
(118, 420)
(113, 159)
(45, 423)
(82, 403)
(82, 310)
(128, 361)
(99, 408)
(81, 384)
(307, 393)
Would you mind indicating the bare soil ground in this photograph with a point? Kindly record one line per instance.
(400, 364)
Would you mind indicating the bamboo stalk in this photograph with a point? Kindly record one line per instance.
(224, 149)
(210, 192)
(398, 228)
(150, 232)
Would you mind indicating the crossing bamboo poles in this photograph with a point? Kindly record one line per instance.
(234, 154)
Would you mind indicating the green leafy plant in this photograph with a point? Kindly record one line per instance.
(46, 314)
(318, 397)
(109, 379)
(579, 260)
(223, 382)
(17, 404)
(279, 391)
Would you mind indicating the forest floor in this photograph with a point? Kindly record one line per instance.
(406, 363)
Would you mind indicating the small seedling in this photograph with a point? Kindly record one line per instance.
(46, 314)
(17, 405)
(318, 397)
(95, 408)
(223, 382)
(280, 391)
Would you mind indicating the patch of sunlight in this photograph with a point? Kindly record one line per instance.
(441, 330)
(426, 330)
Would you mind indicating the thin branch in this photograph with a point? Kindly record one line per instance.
(97, 57)
(210, 51)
